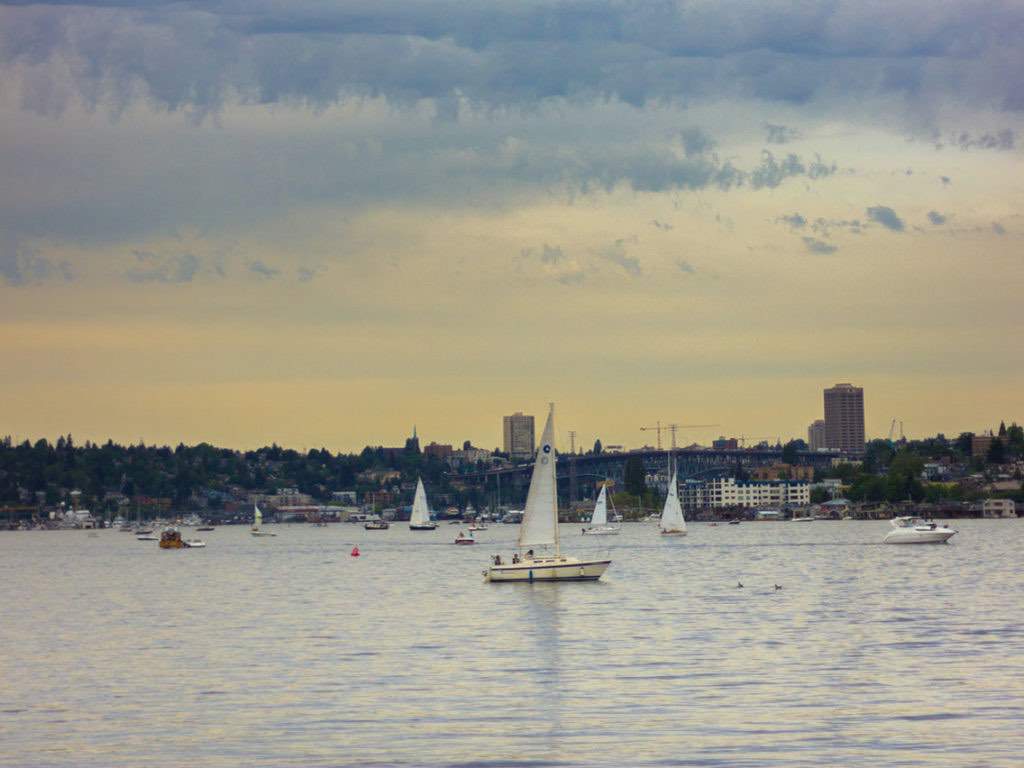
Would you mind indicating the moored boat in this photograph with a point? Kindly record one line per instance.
(171, 539)
(463, 538)
(376, 525)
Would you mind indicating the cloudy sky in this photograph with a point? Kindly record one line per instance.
(319, 222)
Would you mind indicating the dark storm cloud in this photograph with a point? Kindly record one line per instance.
(197, 55)
(814, 245)
(886, 217)
(936, 218)
(796, 221)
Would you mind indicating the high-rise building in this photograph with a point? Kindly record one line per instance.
(844, 419)
(519, 435)
(816, 435)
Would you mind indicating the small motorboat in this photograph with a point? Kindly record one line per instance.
(147, 537)
(915, 530)
(462, 538)
(143, 531)
(734, 522)
(376, 525)
(477, 527)
(205, 528)
(171, 539)
(194, 544)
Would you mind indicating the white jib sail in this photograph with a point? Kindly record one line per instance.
(257, 518)
(600, 518)
(420, 510)
(672, 514)
(540, 518)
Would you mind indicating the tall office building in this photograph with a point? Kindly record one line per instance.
(519, 435)
(844, 419)
(816, 435)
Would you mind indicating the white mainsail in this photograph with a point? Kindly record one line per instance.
(540, 518)
(420, 511)
(600, 517)
(672, 514)
(257, 518)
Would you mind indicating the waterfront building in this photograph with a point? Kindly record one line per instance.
(518, 433)
(782, 471)
(816, 440)
(844, 419)
(998, 508)
(727, 492)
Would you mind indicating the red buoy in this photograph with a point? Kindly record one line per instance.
(355, 551)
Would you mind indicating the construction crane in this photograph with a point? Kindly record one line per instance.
(892, 430)
(658, 427)
(572, 441)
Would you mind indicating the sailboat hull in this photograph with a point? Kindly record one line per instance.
(673, 533)
(602, 531)
(549, 569)
(427, 527)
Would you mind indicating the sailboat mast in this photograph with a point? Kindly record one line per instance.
(554, 481)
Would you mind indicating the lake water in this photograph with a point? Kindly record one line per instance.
(286, 651)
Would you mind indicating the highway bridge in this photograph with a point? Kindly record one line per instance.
(578, 475)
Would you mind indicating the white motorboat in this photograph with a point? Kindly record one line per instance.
(257, 523)
(599, 521)
(420, 520)
(463, 538)
(914, 530)
(672, 521)
(801, 519)
(539, 529)
(147, 537)
(194, 544)
(481, 526)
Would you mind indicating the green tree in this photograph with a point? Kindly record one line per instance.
(598, 447)
(996, 452)
(634, 476)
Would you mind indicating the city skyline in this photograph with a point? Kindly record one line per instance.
(699, 214)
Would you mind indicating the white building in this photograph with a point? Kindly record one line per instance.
(998, 508)
(725, 492)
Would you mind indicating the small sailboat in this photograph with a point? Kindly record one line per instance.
(599, 521)
(672, 522)
(257, 523)
(539, 529)
(420, 518)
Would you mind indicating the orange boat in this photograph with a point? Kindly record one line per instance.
(171, 539)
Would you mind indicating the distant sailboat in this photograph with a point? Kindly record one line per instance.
(420, 518)
(539, 529)
(672, 522)
(257, 523)
(599, 521)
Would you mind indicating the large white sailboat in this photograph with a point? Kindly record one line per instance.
(599, 521)
(420, 518)
(672, 522)
(539, 529)
(257, 523)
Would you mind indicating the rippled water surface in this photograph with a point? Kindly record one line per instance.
(286, 651)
